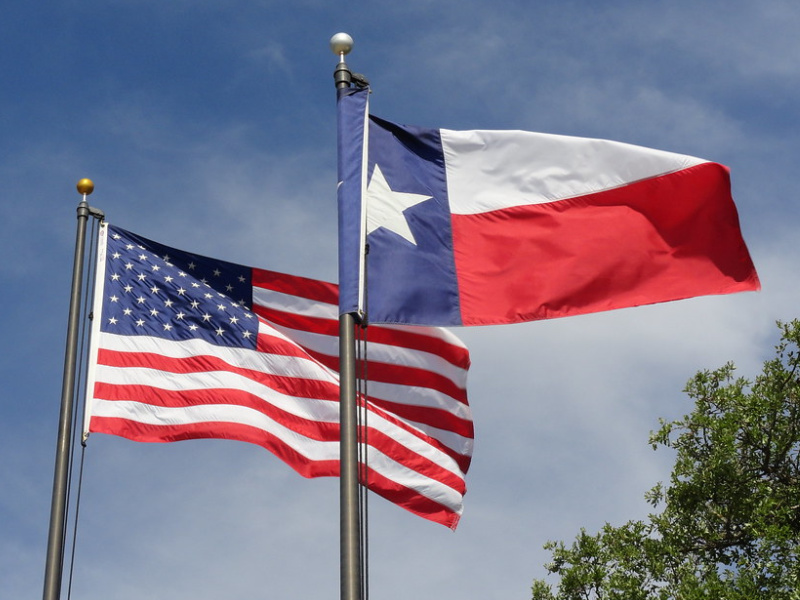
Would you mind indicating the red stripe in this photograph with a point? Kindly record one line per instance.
(401, 375)
(413, 340)
(398, 374)
(394, 492)
(416, 432)
(454, 354)
(377, 371)
(660, 239)
(412, 460)
(463, 460)
(312, 429)
(273, 344)
(294, 285)
(141, 432)
(412, 500)
(427, 415)
(153, 396)
(291, 386)
(305, 323)
(308, 468)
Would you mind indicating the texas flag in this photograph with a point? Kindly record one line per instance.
(441, 227)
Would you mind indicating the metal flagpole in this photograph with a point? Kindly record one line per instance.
(58, 506)
(349, 525)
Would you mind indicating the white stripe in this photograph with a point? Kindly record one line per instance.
(294, 304)
(225, 413)
(422, 484)
(314, 450)
(273, 364)
(439, 333)
(491, 170)
(417, 359)
(320, 410)
(459, 444)
(94, 337)
(314, 409)
(315, 308)
(362, 238)
(413, 443)
(418, 396)
(382, 353)
(316, 342)
(270, 364)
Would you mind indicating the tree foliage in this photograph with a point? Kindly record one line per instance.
(729, 520)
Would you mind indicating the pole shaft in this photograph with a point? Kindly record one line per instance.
(349, 524)
(58, 506)
(350, 538)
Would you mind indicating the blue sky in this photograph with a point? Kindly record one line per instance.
(210, 126)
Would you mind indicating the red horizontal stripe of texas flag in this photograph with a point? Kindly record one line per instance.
(666, 238)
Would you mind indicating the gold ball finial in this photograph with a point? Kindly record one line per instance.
(85, 186)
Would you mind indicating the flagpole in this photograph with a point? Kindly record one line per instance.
(349, 526)
(58, 506)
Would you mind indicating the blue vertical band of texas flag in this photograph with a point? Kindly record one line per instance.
(351, 106)
(409, 281)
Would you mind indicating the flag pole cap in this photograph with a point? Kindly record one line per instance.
(85, 186)
(341, 44)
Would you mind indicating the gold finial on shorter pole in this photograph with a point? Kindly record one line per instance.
(85, 187)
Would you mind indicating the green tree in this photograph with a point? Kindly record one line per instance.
(729, 520)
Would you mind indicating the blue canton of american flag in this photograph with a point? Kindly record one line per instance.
(155, 290)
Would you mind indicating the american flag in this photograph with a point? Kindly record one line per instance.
(185, 346)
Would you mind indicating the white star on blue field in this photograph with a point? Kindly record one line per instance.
(385, 206)
(179, 296)
(211, 127)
